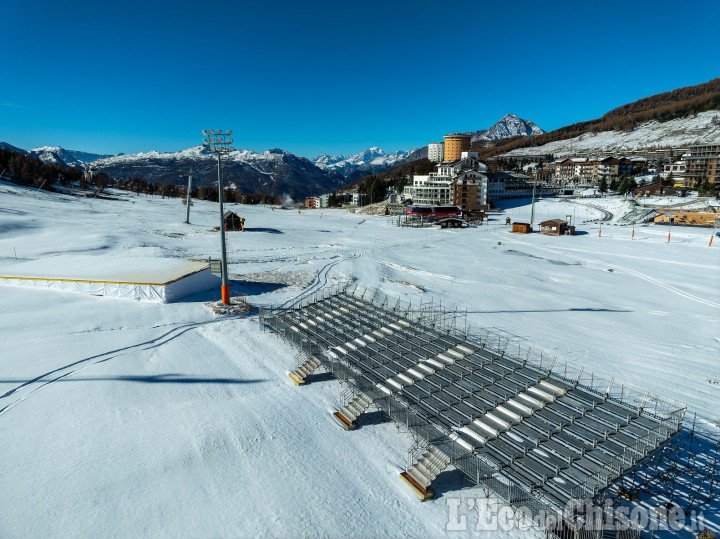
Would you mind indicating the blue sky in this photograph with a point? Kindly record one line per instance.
(332, 77)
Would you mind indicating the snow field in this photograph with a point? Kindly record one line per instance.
(124, 418)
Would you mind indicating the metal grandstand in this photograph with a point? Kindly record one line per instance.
(537, 432)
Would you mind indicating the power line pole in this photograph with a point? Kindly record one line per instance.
(187, 198)
(218, 142)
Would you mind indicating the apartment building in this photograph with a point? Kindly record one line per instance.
(436, 152)
(503, 185)
(470, 191)
(585, 171)
(702, 162)
(605, 168)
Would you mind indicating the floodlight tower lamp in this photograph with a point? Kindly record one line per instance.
(217, 143)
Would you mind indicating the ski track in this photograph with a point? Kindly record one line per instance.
(257, 169)
(631, 271)
(320, 280)
(68, 370)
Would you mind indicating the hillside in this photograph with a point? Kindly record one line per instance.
(660, 108)
(60, 156)
(677, 133)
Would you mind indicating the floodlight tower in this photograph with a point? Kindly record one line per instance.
(218, 142)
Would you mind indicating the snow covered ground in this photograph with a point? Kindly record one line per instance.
(126, 418)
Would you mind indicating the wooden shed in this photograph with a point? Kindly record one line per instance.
(556, 227)
(522, 228)
(233, 221)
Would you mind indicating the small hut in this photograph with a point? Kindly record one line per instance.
(521, 228)
(556, 227)
(451, 222)
(232, 221)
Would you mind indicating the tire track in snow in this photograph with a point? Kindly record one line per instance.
(643, 276)
(424, 273)
(320, 280)
(67, 370)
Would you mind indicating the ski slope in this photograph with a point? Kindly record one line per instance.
(122, 418)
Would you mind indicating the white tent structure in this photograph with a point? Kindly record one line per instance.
(149, 279)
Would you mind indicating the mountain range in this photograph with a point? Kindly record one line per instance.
(275, 171)
(677, 118)
(366, 162)
(55, 155)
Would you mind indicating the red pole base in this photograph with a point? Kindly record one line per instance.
(600, 233)
(225, 289)
(710, 244)
(668, 238)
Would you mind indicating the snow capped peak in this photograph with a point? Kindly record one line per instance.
(56, 155)
(40, 149)
(367, 161)
(508, 126)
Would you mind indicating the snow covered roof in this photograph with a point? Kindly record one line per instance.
(107, 269)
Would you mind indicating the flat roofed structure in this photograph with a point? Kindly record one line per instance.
(149, 279)
(531, 429)
(522, 228)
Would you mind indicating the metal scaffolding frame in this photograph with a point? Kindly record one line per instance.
(535, 431)
(686, 471)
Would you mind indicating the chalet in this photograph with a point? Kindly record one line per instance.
(606, 168)
(232, 221)
(565, 172)
(656, 189)
(556, 227)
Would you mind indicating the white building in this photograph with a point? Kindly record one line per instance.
(457, 183)
(358, 199)
(436, 152)
(678, 170)
(427, 191)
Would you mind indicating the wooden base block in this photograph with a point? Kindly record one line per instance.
(295, 378)
(344, 421)
(419, 490)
